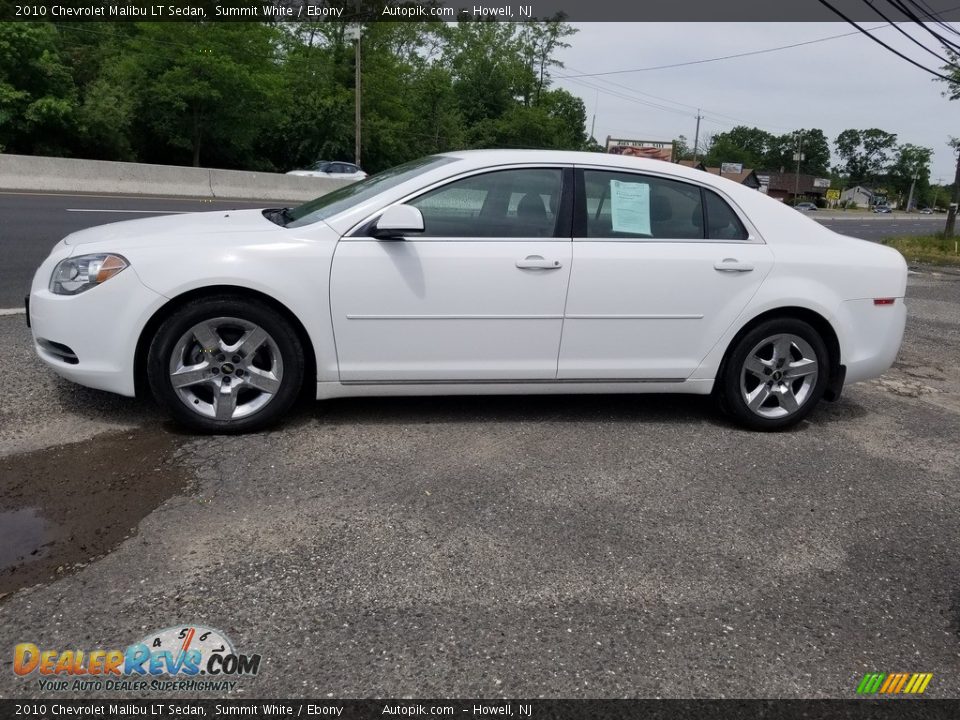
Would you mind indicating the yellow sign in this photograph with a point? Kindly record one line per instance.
(833, 194)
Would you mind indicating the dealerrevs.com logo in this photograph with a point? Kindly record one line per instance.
(188, 658)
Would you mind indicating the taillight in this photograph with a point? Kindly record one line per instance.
(883, 301)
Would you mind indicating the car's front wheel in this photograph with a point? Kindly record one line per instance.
(226, 364)
(775, 375)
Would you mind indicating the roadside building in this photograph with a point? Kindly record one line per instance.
(791, 187)
(861, 197)
(746, 176)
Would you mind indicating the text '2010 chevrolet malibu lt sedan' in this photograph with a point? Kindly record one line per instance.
(476, 272)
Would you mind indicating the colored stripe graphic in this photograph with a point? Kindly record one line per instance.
(870, 683)
(894, 683)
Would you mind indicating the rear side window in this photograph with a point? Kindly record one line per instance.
(626, 205)
(629, 205)
(722, 221)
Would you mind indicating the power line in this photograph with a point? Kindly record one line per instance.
(736, 120)
(905, 33)
(926, 10)
(949, 44)
(881, 42)
(718, 59)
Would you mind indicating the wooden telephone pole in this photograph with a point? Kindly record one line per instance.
(952, 212)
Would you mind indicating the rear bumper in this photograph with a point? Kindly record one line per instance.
(871, 337)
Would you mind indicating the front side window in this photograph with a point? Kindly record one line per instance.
(520, 203)
(347, 196)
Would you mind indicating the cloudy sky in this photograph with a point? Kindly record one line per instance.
(848, 82)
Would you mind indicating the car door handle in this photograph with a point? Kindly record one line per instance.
(732, 265)
(537, 262)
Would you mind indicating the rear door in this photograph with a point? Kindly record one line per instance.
(660, 269)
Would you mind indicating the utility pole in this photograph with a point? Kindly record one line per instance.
(916, 174)
(355, 32)
(696, 137)
(952, 213)
(796, 179)
(593, 123)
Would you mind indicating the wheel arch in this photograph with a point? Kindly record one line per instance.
(141, 387)
(812, 318)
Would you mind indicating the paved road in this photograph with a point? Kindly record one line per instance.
(572, 547)
(877, 229)
(30, 224)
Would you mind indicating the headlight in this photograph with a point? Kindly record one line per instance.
(77, 274)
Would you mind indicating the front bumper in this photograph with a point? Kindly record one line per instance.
(91, 338)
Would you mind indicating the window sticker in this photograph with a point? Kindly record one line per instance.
(630, 207)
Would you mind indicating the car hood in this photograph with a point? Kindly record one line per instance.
(175, 227)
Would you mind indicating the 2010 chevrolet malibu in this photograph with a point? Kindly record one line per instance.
(476, 272)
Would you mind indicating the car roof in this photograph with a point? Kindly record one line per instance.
(489, 158)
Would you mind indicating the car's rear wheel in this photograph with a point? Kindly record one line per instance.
(775, 375)
(226, 365)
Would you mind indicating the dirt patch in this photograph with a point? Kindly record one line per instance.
(62, 507)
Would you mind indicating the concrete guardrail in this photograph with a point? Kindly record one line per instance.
(67, 175)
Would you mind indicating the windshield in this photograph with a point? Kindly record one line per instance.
(345, 197)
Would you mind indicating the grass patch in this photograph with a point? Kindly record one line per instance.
(933, 249)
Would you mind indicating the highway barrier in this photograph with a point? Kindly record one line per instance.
(67, 175)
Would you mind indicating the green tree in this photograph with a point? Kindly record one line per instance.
(742, 144)
(540, 42)
(682, 149)
(815, 151)
(911, 167)
(206, 89)
(38, 98)
(865, 154)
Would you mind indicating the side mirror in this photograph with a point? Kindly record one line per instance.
(397, 221)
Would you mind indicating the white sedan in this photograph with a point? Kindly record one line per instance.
(335, 170)
(480, 272)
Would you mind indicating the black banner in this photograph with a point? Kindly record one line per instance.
(454, 10)
(517, 709)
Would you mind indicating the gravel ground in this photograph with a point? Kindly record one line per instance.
(516, 547)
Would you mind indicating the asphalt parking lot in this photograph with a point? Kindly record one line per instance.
(517, 547)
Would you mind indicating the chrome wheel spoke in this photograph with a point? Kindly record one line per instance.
(224, 402)
(800, 368)
(757, 366)
(261, 380)
(249, 343)
(207, 336)
(193, 375)
(788, 400)
(758, 397)
(781, 351)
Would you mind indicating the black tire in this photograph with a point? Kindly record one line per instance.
(735, 381)
(281, 353)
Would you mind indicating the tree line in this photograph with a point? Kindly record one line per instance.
(869, 157)
(275, 96)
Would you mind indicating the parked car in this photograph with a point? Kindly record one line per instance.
(478, 272)
(805, 207)
(925, 211)
(882, 209)
(338, 170)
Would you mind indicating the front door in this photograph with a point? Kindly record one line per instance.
(478, 296)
